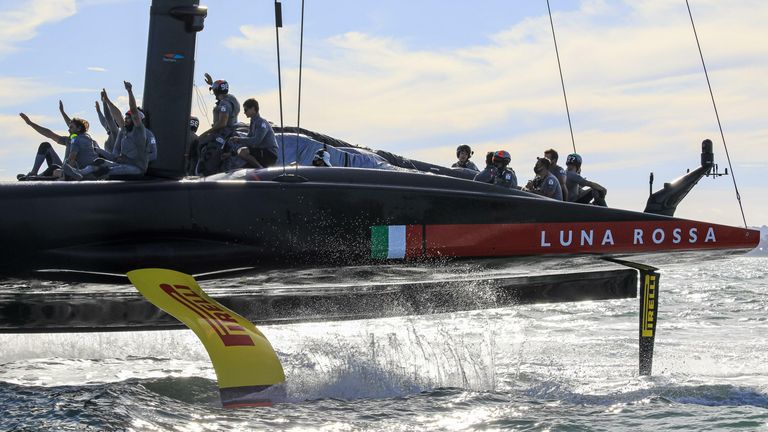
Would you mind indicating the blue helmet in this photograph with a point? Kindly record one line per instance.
(573, 159)
(502, 156)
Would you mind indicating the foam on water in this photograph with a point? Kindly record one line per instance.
(556, 366)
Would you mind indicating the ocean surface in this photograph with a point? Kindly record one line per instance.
(550, 367)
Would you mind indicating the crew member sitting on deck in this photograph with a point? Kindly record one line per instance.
(135, 143)
(594, 193)
(259, 148)
(322, 158)
(498, 173)
(489, 172)
(79, 148)
(464, 152)
(224, 118)
(544, 184)
(557, 171)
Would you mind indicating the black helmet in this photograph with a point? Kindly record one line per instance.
(573, 159)
(194, 123)
(502, 156)
(220, 87)
(465, 148)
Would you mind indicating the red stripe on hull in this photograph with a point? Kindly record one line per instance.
(478, 240)
(414, 235)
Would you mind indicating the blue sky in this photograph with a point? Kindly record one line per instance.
(420, 78)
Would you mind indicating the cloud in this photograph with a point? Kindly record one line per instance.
(258, 44)
(33, 89)
(21, 23)
(631, 69)
(96, 69)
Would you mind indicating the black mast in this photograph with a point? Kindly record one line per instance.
(173, 27)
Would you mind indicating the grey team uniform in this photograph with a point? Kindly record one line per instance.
(469, 165)
(260, 140)
(82, 145)
(505, 178)
(228, 105)
(574, 182)
(549, 187)
(139, 146)
(560, 174)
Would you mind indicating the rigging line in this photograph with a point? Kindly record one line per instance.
(278, 24)
(201, 105)
(562, 81)
(717, 116)
(301, 58)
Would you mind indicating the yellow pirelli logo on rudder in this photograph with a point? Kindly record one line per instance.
(649, 306)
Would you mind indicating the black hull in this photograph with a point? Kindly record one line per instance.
(257, 219)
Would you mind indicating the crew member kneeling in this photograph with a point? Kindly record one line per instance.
(259, 148)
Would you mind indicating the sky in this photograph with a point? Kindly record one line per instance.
(419, 78)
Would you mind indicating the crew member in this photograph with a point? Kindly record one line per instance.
(322, 158)
(557, 171)
(463, 153)
(224, 114)
(581, 190)
(498, 173)
(489, 172)
(135, 143)
(259, 148)
(545, 183)
(79, 147)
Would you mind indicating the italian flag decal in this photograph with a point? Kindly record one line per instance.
(396, 241)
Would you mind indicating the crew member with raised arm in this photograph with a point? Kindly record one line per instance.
(557, 171)
(498, 173)
(463, 153)
(545, 183)
(595, 194)
(108, 121)
(259, 148)
(134, 141)
(79, 147)
(224, 113)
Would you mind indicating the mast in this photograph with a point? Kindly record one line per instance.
(173, 27)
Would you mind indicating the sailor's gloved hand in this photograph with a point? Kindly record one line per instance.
(128, 86)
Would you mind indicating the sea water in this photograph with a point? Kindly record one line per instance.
(539, 367)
